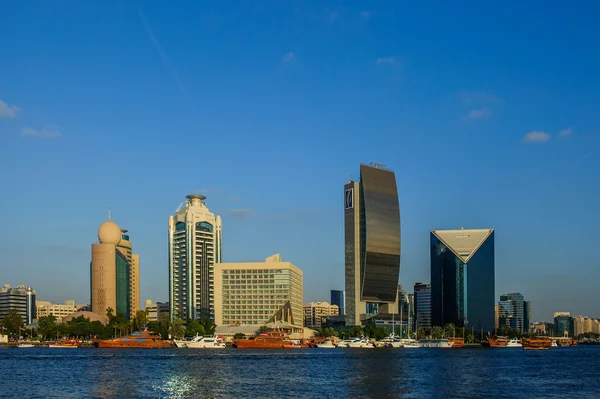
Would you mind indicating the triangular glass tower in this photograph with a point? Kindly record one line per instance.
(463, 278)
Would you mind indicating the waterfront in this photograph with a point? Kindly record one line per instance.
(306, 373)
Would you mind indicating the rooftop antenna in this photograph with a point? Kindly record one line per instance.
(109, 213)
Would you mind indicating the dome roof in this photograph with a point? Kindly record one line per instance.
(109, 233)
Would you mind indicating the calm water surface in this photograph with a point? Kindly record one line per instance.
(303, 373)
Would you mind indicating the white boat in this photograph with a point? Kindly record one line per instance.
(361, 343)
(326, 345)
(554, 343)
(180, 343)
(409, 343)
(514, 343)
(206, 343)
(436, 343)
(389, 342)
(344, 343)
(25, 346)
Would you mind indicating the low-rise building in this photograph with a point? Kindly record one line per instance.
(151, 310)
(316, 313)
(45, 308)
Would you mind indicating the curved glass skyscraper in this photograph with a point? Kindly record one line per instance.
(372, 243)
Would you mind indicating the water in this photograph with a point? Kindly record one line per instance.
(302, 373)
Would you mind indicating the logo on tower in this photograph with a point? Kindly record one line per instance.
(349, 198)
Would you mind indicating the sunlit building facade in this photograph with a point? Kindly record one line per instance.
(372, 243)
(316, 313)
(195, 244)
(258, 292)
(463, 278)
(19, 298)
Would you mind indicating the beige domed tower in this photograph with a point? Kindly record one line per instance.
(111, 271)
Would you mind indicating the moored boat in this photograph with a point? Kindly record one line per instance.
(495, 342)
(457, 342)
(514, 343)
(538, 343)
(361, 344)
(139, 339)
(344, 343)
(206, 343)
(65, 343)
(25, 346)
(326, 345)
(266, 340)
(435, 343)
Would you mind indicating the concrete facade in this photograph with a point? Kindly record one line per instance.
(315, 313)
(251, 293)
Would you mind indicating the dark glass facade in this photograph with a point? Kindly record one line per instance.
(338, 298)
(563, 325)
(463, 293)
(381, 237)
(123, 287)
(422, 294)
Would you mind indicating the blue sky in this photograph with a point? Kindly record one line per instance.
(488, 115)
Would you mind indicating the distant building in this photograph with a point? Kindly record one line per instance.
(195, 245)
(582, 325)
(59, 311)
(563, 324)
(151, 310)
(513, 311)
(113, 274)
(258, 292)
(338, 297)
(412, 312)
(21, 299)
(541, 328)
(422, 293)
(372, 244)
(462, 278)
(316, 313)
(162, 308)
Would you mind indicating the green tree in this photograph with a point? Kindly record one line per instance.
(194, 328)
(177, 329)
(80, 327)
(13, 322)
(109, 313)
(99, 330)
(420, 333)
(357, 331)
(437, 332)
(239, 336)
(47, 327)
(209, 326)
(380, 333)
(263, 329)
(449, 330)
(63, 330)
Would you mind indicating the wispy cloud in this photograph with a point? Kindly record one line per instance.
(478, 114)
(386, 61)
(241, 214)
(536, 137)
(8, 111)
(288, 57)
(565, 132)
(44, 133)
(161, 52)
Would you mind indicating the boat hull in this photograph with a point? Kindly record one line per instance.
(536, 343)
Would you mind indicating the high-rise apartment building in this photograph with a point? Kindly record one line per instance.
(422, 293)
(514, 311)
(195, 243)
(19, 298)
(372, 243)
(316, 313)
(463, 278)
(111, 272)
(258, 292)
(582, 325)
(338, 297)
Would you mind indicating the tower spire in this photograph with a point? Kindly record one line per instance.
(109, 213)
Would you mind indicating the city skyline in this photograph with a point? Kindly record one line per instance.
(502, 132)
